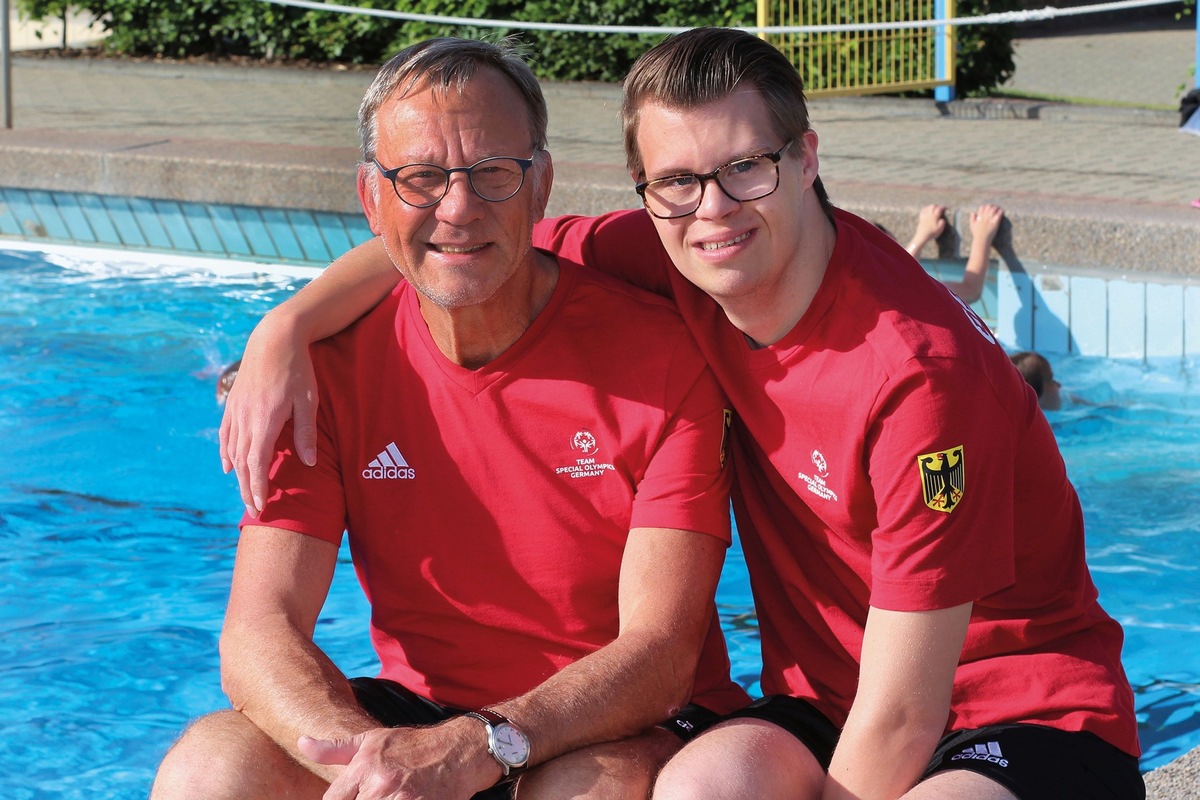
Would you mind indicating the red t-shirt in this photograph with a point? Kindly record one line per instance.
(488, 509)
(888, 454)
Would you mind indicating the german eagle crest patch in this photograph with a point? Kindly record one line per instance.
(942, 478)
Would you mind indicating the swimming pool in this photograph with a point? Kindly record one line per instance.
(119, 528)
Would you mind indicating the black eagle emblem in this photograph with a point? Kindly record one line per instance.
(942, 478)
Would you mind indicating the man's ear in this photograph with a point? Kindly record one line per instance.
(368, 195)
(543, 184)
(808, 156)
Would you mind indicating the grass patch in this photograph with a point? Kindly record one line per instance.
(1077, 101)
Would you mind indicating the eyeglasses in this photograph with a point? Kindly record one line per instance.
(423, 185)
(743, 180)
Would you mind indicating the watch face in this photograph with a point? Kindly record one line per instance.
(511, 745)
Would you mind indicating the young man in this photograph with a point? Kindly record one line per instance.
(929, 625)
(536, 503)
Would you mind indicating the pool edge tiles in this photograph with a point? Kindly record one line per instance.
(1062, 310)
(213, 230)
(1054, 310)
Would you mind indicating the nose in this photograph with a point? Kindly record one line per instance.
(460, 203)
(714, 202)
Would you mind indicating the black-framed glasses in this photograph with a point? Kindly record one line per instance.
(494, 179)
(745, 179)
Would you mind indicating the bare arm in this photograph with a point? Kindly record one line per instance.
(931, 221)
(902, 704)
(275, 381)
(985, 224)
(270, 668)
(668, 579)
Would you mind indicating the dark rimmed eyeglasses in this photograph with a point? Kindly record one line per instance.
(750, 178)
(494, 179)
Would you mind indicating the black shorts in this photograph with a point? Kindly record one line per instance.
(395, 707)
(1031, 761)
(798, 717)
(1039, 763)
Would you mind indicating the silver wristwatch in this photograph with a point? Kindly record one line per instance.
(506, 742)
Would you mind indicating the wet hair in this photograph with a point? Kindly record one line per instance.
(226, 379)
(704, 65)
(1035, 369)
(448, 64)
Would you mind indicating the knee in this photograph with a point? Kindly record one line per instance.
(684, 778)
(622, 770)
(741, 761)
(209, 760)
(688, 779)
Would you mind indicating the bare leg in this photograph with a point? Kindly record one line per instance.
(224, 756)
(743, 759)
(958, 784)
(621, 770)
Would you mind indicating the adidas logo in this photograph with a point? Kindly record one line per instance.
(389, 465)
(983, 752)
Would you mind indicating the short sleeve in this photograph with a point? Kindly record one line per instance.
(940, 459)
(687, 481)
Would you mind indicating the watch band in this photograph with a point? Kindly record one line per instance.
(488, 716)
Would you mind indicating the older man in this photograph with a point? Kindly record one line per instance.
(535, 499)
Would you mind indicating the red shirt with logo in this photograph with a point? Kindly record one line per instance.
(487, 510)
(887, 454)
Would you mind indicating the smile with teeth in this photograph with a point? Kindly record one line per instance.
(453, 250)
(718, 245)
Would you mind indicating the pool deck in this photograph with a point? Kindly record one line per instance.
(1098, 184)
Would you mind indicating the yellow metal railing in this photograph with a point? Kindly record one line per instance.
(864, 61)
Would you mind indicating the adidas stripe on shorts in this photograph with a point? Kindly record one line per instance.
(1039, 763)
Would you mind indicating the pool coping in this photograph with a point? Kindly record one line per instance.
(1126, 236)
(1178, 780)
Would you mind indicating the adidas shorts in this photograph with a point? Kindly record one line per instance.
(799, 718)
(1031, 761)
(1039, 763)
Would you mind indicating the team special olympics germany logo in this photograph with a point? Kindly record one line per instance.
(584, 442)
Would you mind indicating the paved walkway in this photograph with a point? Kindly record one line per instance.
(991, 146)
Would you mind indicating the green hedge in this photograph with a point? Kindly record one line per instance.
(984, 53)
(183, 28)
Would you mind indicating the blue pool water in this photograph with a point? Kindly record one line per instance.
(118, 528)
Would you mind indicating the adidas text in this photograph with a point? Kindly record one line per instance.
(989, 752)
(389, 465)
(389, 473)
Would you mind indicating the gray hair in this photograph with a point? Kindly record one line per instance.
(448, 64)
